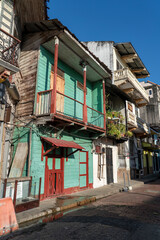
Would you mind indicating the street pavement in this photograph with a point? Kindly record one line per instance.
(123, 216)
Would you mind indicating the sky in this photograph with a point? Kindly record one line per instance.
(135, 21)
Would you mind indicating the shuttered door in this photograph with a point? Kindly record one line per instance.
(60, 98)
(6, 23)
(83, 169)
(109, 162)
(60, 85)
(6, 16)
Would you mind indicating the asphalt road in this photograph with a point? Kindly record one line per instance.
(130, 215)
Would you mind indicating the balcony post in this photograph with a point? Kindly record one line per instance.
(85, 91)
(104, 103)
(53, 94)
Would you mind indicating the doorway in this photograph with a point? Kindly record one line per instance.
(60, 86)
(54, 176)
(109, 165)
(83, 169)
(147, 163)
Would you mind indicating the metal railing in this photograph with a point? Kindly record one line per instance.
(69, 107)
(9, 48)
(95, 117)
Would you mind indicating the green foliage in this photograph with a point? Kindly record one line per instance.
(116, 130)
(129, 134)
(113, 115)
(115, 126)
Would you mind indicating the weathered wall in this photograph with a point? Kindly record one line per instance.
(104, 142)
(103, 50)
(27, 11)
(151, 112)
(26, 79)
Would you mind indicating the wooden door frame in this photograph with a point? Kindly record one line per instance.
(87, 169)
(46, 177)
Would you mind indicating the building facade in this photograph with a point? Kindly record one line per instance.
(61, 110)
(126, 67)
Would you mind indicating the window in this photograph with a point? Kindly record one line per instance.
(150, 91)
(119, 66)
(60, 73)
(80, 85)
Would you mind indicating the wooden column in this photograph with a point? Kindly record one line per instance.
(29, 155)
(104, 103)
(85, 91)
(53, 95)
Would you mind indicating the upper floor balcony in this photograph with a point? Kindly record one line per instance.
(128, 83)
(69, 109)
(134, 122)
(9, 52)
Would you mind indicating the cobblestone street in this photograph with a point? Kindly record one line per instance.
(126, 215)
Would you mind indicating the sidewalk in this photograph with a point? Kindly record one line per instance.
(54, 207)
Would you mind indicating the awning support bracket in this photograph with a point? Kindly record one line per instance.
(72, 153)
(48, 151)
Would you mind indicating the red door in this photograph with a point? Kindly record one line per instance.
(54, 176)
(83, 169)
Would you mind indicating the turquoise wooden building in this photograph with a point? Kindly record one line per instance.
(67, 110)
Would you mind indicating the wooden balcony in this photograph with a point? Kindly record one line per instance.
(69, 109)
(9, 52)
(129, 84)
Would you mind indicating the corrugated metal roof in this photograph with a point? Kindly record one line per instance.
(127, 48)
(55, 24)
(62, 143)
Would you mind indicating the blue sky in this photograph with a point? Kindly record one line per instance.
(136, 21)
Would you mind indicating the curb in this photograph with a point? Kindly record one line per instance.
(57, 212)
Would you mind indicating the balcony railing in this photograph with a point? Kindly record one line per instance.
(142, 125)
(68, 107)
(125, 73)
(9, 48)
(95, 117)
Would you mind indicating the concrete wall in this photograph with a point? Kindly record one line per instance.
(151, 112)
(103, 50)
(107, 53)
(104, 142)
